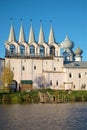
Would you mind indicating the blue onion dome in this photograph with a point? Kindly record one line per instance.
(78, 51)
(67, 43)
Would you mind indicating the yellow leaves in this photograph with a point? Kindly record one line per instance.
(7, 76)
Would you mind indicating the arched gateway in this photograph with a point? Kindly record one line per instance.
(13, 85)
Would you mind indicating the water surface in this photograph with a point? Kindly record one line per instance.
(70, 116)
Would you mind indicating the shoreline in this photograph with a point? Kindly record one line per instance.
(43, 96)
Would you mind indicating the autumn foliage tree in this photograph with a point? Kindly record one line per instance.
(7, 76)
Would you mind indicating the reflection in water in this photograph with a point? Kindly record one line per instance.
(44, 117)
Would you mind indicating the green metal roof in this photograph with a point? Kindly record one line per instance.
(26, 82)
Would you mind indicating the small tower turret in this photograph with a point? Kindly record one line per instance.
(78, 53)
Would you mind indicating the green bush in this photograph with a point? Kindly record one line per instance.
(33, 96)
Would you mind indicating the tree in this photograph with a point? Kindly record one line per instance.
(7, 76)
(41, 82)
(83, 86)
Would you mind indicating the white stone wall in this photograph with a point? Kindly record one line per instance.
(51, 70)
(30, 69)
(75, 79)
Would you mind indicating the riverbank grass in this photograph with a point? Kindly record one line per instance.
(45, 95)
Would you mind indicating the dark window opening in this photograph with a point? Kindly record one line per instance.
(22, 49)
(32, 50)
(42, 51)
(34, 67)
(79, 75)
(70, 75)
(51, 82)
(12, 49)
(74, 86)
(57, 83)
(23, 68)
(52, 50)
(54, 68)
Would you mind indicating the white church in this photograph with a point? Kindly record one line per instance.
(42, 64)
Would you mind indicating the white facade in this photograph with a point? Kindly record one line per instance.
(42, 62)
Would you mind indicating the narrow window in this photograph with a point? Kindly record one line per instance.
(42, 51)
(12, 49)
(34, 67)
(54, 68)
(74, 86)
(79, 75)
(70, 75)
(23, 68)
(22, 50)
(52, 50)
(32, 50)
(57, 82)
(50, 82)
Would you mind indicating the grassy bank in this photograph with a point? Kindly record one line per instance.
(43, 95)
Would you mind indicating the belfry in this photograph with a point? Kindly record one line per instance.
(41, 64)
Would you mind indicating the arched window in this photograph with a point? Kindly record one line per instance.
(12, 49)
(32, 51)
(22, 50)
(42, 51)
(52, 50)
